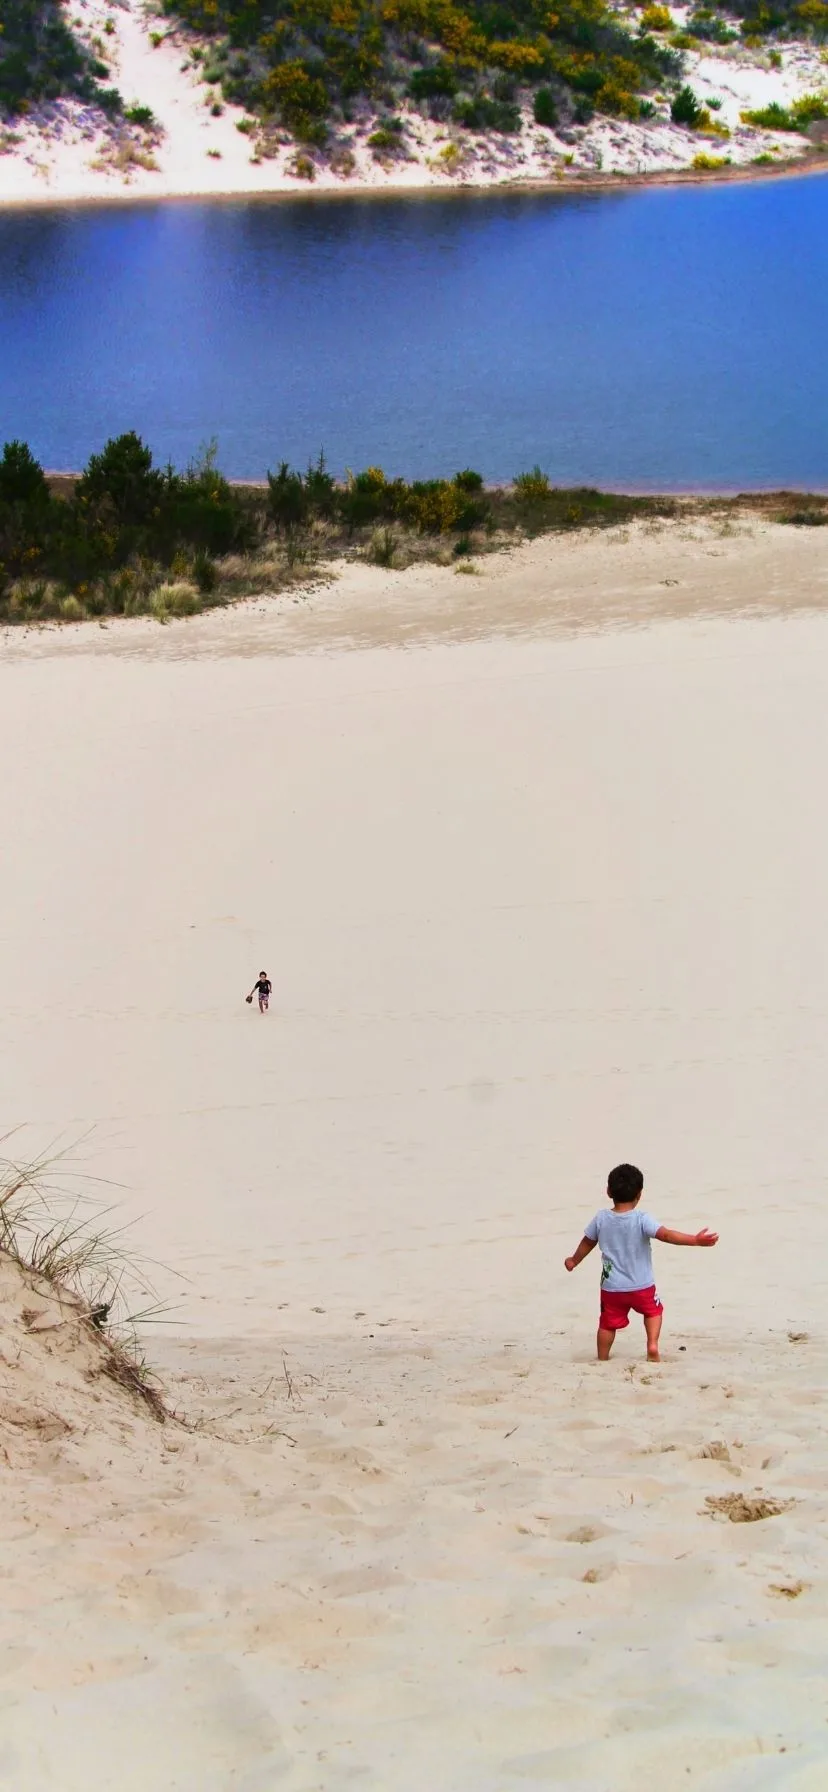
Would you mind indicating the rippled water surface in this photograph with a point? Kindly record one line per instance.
(672, 337)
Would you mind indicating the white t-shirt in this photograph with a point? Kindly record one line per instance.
(624, 1239)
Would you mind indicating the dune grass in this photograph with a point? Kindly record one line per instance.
(54, 1227)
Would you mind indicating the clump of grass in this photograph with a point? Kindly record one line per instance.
(382, 549)
(178, 598)
(56, 1233)
(143, 116)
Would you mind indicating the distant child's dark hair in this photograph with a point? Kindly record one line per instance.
(624, 1183)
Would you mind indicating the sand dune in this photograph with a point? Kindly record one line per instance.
(535, 896)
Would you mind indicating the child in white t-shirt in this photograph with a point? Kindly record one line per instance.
(627, 1280)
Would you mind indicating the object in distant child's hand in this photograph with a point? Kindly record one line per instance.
(248, 998)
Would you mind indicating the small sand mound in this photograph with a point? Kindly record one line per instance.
(60, 1374)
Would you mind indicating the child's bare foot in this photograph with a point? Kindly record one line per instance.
(653, 1356)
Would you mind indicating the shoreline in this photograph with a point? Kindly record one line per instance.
(569, 185)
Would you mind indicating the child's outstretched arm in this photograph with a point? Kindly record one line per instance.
(703, 1237)
(586, 1245)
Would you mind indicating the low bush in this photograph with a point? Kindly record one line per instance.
(387, 138)
(439, 81)
(484, 114)
(770, 118)
(811, 108)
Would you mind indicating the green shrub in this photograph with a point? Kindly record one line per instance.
(797, 117)
(437, 82)
(468, 480)
(287, 498)
(770, 118)
(545, 109)
(141, 115)
(484, 114)
(532, 487)
(320, 489)
(122, 478)
(109, 100)
(706, 25)
(810, 109)
(22, 479)
(686, 108)
(204, 572)
(388, 136)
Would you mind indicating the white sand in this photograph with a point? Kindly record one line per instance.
(62, 152)
(542, 891)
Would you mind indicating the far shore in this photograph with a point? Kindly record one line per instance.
(66, 154)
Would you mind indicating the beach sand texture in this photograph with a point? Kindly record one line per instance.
(540, 887)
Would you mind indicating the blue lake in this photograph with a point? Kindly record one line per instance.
(660, 338)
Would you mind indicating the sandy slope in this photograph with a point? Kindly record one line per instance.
(534, 898)
(63, 153)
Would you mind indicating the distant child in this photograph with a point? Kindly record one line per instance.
(262, 988)
(627, 1280)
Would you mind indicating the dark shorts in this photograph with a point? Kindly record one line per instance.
(617, 1304)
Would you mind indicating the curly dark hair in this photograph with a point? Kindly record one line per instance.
(624, 1183)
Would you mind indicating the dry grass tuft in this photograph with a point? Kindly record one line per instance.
(741, 1508)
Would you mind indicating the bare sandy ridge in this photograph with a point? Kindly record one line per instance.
(541, 885)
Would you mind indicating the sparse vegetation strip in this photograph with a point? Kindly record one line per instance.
(126, 537)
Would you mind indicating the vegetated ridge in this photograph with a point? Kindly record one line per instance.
(305, 63)
(251, 95)
(127, 538)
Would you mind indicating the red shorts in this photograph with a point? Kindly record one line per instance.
(617, 1304)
